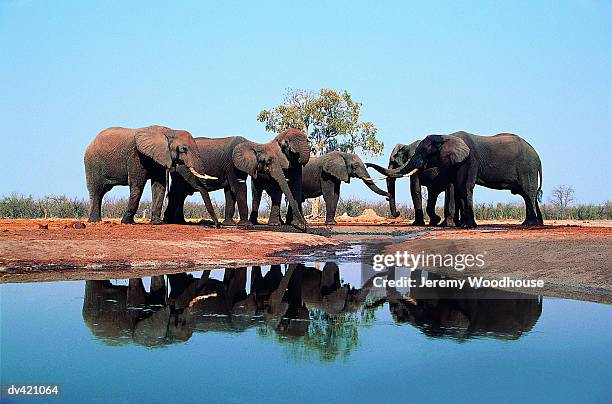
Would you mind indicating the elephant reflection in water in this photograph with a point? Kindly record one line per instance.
(278, 303)
(307, 308)
(464, 313)
(119, 314)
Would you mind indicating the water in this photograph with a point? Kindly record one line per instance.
(300, 333)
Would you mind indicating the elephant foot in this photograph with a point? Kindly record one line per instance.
(94, 219)
(331, 222)
(228, 222)
(434, 220)
(447, 223)
(245, 224)
(469, 225)
(418, 223)
(128, 220)
(156, 220)
(531, 222)
(274, 222)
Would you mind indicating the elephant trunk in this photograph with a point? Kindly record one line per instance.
(370, 183)
(278, 176)
(391, 190)
(390, 185)
(405, 170)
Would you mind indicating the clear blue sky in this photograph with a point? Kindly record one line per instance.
(538, 69)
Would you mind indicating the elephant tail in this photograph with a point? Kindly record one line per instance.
(541, 179)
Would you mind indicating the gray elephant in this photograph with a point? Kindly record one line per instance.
(503, 161)
(294, 145)
(436, 180)
(324, 174)
(215, 157)
(121, 156)
(231, 160)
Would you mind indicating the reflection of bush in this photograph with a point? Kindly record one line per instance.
(326, 338)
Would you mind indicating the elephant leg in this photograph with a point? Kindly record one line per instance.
(277, 199)
(417, 201)
(230, 207)
(95, 202)
(158, 290)
(177, 194)
(137, 184)
(469, 220)
(175, 211)
(256, 192)
(209, 206)
(459, 207)
(539, 213)
(240, 193)
(449, 207)
(529, 192)
(295, 184)
(331, 194)
(432, 198)
(158, 189)
(531, 218)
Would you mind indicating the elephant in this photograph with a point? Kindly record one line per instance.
(464, 313)
(118, 314)
(323, 175)
(231, 160)
(122, 156)
(436, 180)
(216, 157)
(294, 145)
(503, 161)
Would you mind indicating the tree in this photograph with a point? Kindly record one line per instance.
(562, 197)
(330, 119)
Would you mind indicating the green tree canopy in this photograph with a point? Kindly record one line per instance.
(330, 119)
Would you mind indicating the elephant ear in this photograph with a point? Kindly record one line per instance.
(297, 142)
(153, 142)
(453, 150)
(335, 165)
(245, 158)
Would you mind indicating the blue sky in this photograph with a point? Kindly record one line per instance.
(537, 69)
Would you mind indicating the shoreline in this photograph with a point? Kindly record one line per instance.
(573, 261)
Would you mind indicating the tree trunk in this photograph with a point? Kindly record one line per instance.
(314, 212)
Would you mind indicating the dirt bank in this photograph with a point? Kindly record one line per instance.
(38, 244)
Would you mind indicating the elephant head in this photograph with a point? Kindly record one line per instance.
(255, 158)
(345, 166)
(434, 151)
(294, 144)
(400, 154)
(169, 147)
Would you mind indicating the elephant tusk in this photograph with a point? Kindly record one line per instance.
(204, 177)
(201, 297)
(411, 172)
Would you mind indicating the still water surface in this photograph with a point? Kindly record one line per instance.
(301, 333)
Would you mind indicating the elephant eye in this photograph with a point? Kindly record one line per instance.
(182, 149)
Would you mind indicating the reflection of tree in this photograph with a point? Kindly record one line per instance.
(327, 337)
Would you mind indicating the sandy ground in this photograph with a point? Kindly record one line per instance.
(34, 245)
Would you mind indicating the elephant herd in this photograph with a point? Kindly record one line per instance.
(290, 303)
(453, 164)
